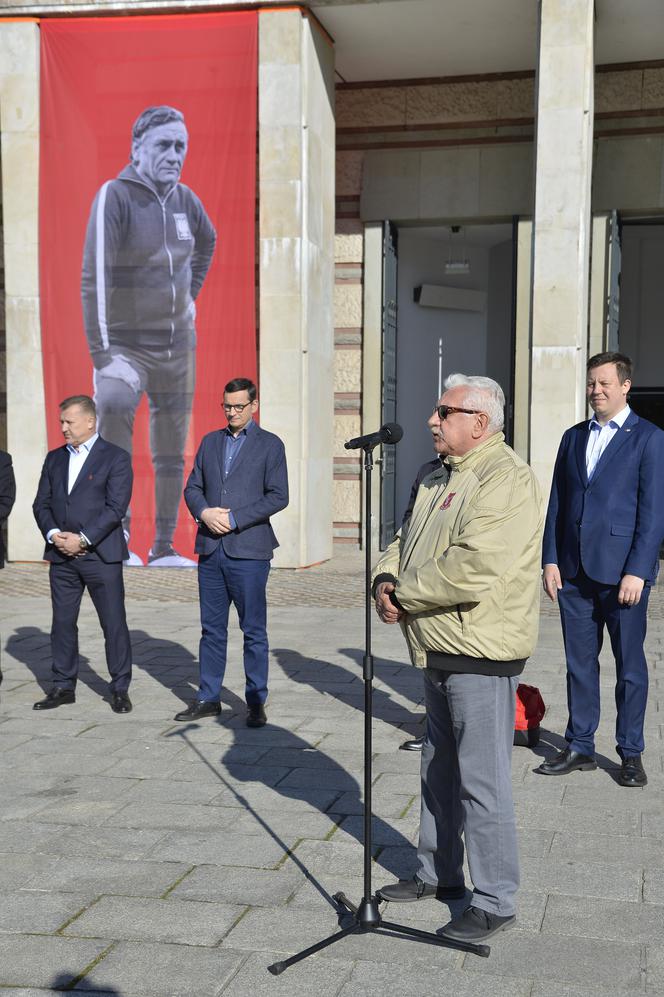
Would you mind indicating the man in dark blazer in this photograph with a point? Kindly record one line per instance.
(7, 496)
(83, 493)
(604, 527)
(239, 479)
(7, 499)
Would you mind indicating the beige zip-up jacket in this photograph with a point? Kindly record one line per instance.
(467, 563)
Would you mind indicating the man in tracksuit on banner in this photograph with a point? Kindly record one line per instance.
(148, 248)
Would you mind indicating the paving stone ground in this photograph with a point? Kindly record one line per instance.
(144, 858)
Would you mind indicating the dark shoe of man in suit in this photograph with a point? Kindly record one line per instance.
(567, 761)
(121, 703)
(256, 715)
(632, 772)
(413, 745)
(197, 710)
(407, 891)
(56, 697)
(474, 925)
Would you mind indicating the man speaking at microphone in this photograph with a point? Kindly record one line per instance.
(462, 579)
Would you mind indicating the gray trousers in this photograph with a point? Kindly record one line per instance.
(467, 787)
(167, 378)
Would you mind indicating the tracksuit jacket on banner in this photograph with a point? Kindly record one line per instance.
(144, 262)
(466, 565)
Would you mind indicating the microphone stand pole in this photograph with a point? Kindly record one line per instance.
(366, 916)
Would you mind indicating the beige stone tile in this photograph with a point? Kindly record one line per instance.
(570, 22)
(279, 95)
(22, 269)
(23, 335)
(349, 172)
(443, 102)
(19, 43)
(280, 320)
(371, 107)
(515, 98)
(279, 37)
(281, 209)
(20, 178)
(346, 501)
(619, 91)
(347, 370)
(349, 246)
(346, 427)
(564, 79)
(280, 152)
(347, 306)
(653, 87)
(280, 261)
(19, 93)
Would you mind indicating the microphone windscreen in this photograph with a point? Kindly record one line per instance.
(393, 432)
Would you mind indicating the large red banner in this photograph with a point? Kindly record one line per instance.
(147, 239)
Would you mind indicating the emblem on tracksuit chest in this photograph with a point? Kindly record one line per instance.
(448, 500)
(182, 226)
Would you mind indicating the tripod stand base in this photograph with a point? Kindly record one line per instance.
(367, 918)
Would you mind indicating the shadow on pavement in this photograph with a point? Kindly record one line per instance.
(32, 647)
(334, 783)
(65, 980)
(334, 680)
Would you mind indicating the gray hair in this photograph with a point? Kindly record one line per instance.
(482, 393)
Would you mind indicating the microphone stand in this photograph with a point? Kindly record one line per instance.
(366, 916)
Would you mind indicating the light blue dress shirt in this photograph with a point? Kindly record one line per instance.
(599, 438)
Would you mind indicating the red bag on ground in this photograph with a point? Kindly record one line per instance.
(530, 710)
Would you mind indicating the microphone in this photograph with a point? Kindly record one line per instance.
(391, 432)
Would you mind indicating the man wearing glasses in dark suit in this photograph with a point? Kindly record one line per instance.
(239, 479)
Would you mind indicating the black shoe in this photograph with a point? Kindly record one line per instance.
(256, 715)
(567, 761)
(416, 744)
(56, 697)
(632, 772)
(121, 703)
(197, 710)
(409, 890)
(474, 925)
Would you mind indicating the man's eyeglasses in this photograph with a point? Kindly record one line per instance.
(444, 410)
(235, 408)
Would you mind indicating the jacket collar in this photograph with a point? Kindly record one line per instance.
(468, 459)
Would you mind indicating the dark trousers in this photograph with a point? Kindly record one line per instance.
(586, 607)
(167, 378)
(106, 587)
(223, 580)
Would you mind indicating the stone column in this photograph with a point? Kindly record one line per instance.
(26, 421)
(561, 231)
(296, 238)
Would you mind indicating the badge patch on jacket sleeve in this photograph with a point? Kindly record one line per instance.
(448, 501)
(182, 226)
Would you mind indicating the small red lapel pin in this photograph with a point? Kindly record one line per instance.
(448, 501)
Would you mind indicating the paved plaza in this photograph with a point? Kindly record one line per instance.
(142, 857)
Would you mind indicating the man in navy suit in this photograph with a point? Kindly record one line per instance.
(83, 493)
(603, 531)
(239, 479)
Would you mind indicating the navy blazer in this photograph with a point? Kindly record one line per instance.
(613, 524)
(7, 495)
(255, 488)
(96, 504)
